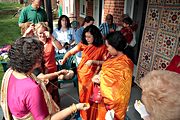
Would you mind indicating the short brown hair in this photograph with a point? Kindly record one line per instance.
(161, 94)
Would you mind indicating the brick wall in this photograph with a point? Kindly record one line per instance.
(114, 7)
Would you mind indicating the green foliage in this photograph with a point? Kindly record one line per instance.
(9, 29)
(9, 6)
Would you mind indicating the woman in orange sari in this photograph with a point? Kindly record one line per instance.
(115, 80)
(93, 48)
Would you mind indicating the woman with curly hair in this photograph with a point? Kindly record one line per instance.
(160, 96)
(48, 68)
(93, 48)
(23, 96)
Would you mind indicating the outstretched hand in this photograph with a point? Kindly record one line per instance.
(83, 106)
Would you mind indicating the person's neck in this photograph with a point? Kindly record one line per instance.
(110, 25)
(21, 75)
(33, 6)
(64, 28)
(118, 54)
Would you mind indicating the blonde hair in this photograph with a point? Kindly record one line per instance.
(161, 94)
(41, 24)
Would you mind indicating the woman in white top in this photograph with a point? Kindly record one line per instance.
(64, 34)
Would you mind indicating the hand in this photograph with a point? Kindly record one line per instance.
(82, 106)
(47, 33)
(30, 29)
(139, 106)
(63, 71)
(62, 61)
(46, 81)
(89, 62)
(96, 79)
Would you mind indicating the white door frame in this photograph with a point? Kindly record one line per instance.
(96, 12)
(129, 7)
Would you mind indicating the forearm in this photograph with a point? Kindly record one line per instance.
(61, 115)
(97, 62)
(21, 24)
(49, 76)
(57, 44)
(67, 55)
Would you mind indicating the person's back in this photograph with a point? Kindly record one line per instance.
(22, 97)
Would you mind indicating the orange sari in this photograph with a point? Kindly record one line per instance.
(85, 73)
(115, 85)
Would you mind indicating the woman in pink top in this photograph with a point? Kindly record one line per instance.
(23, 96)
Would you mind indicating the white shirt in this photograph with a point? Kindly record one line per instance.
(63, 37)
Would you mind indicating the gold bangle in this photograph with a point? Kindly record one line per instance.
(98, 62)
(73, 108)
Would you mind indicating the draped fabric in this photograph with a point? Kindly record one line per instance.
(160, 38)
(127, 33)
(115, 86)
(50, 67)
(52, 107)
(49, 57)
(174, 65)
(85, 73)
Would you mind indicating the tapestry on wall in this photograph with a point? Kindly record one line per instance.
(161, 36)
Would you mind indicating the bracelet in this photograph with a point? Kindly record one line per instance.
(98, 62)
(73, 108)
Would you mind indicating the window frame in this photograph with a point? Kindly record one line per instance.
(82, 10)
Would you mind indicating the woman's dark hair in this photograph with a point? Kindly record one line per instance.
(128, 20)
(95, 32)
(117, 40)
(24, 54)
(87, 19)
(59, 22)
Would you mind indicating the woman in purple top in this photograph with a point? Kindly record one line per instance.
(23, 96)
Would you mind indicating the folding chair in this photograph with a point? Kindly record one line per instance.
(71, 64)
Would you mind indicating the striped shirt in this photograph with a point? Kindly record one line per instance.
(104, 28)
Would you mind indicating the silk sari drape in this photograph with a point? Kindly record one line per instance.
(115, 87)
(85, 73)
